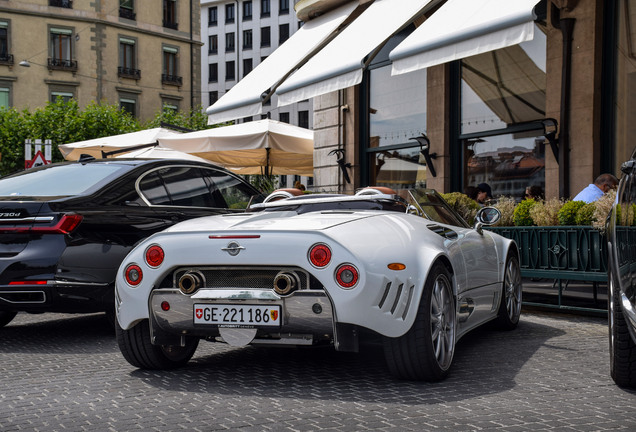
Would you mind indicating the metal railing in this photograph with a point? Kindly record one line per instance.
(125, 72)
(61, 3)
(127, 13)
(62, 64)
(171, 79)
(171, 24)
(6, 59)
(561, 253)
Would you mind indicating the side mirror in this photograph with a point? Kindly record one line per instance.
(486, 216)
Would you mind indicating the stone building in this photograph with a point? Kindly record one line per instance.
(113, 51)
(512, 93)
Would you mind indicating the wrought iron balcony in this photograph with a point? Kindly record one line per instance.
(171, 24)
(125, 72)
(127, 13)
(6, 59)
(61, 64)
(171, 80)
(61, 3)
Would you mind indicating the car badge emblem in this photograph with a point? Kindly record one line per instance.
(233, 248)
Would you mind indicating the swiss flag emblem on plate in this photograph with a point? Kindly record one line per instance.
(199, 313)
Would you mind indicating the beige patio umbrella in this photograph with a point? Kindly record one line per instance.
(258, 147)
(157, 152)
(132, 141)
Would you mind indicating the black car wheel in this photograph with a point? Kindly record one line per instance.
(137, 349)
(622, 348)
(426, 351)
(6, 317)
(510, 305)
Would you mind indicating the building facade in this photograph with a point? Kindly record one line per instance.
(448, 94)
(122, 52)
(553, 111)
(237, 36)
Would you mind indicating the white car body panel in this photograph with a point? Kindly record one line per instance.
(369, 240)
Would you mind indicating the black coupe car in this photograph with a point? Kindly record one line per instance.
(65, 228)
(621, 236)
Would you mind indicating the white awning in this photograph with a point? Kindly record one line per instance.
(463, 28)
(245, 98)
(341, 63)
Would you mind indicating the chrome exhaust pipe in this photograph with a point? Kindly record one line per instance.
(286, 282)
(191, 281)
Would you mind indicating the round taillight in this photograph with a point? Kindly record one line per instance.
(154, 256)
(165, 306)
(347, 275)
(133, 274)
(319, 255)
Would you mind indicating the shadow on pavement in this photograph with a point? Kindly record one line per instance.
(488, 357)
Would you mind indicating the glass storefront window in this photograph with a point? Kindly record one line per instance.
(508, 163)
(501, 90)
(397, 113)
(504, 87)
(398, 169)
(625, 95)
(397, 106)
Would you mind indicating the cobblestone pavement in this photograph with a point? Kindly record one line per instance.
(65, 373)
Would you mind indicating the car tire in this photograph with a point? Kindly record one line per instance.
(511, 292)
(6, 317)
(426, 351)
(137, 349)
(621, 345)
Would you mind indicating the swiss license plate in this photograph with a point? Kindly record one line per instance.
(237, 315)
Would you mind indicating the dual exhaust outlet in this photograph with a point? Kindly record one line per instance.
(285, 282)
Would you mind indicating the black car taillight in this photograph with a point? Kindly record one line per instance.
(66, 225)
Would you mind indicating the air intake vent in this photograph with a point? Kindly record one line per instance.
(396, 298)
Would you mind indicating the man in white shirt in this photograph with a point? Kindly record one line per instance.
(594, 191)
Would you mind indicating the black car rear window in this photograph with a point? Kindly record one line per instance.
(60, 180)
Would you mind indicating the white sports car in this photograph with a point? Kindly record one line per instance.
(320, 268)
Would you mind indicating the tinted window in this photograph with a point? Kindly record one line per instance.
(58, 180)
(186, 187)
(234, 193)
(152, 188)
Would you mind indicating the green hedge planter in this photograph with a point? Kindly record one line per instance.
(561, 253)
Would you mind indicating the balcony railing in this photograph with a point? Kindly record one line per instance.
(6, 59)
(171, 80)
(61, 3)
(61, 64)
(127, 13)
(125, 72)
(171, 25)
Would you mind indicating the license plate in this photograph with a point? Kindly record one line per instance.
(237, 315)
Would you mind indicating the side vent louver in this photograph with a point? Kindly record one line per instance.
(396, 298)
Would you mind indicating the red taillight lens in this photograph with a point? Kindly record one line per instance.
(68, 223)
(319, 255)
(347, 275)
(154, 256)
(27, 282)
(65, 225)
(133, 274)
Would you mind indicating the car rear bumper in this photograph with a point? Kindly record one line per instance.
(56, 296)
(306, 316)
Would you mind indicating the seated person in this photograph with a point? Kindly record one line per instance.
(594, 191)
